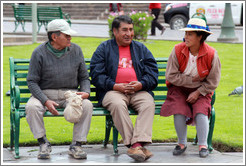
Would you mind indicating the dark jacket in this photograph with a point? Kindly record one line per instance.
(104, 66)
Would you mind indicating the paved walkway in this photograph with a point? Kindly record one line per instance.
(96, 154)
(95, 28)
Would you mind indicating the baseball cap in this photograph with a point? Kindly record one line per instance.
(60, 25)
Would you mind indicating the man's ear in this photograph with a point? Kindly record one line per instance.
(53, 36)
(115, 31)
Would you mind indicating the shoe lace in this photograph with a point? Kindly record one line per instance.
(77, 149)
(44, 147)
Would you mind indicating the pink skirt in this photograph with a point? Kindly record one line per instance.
(176, 103)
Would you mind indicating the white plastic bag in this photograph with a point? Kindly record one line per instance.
(73, 110)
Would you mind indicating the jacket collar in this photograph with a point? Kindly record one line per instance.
(115, 43)
(203, 50)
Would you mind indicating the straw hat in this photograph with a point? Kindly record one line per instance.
(196, 24)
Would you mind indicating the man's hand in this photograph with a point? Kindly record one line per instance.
(84, 95)
(123, 88)
(192, 98)
(133, 87)
(137, 86)
(197, 78)
(128, 89)
(51, 107)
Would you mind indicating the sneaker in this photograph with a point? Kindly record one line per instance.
(203, 153)
(178, 151)
(44, 151)
(77, 152)
(136, 153)
(147, 153)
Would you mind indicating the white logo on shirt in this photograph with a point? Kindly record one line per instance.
(125, 63)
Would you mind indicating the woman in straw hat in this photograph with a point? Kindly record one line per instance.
(192, 74)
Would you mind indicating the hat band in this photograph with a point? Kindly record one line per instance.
(198, 27)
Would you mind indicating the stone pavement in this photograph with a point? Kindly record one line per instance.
(97, 155)
(97, 28)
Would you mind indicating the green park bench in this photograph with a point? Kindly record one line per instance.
(19, 95)
(45, 14)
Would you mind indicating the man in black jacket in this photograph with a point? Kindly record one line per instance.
(124, 73)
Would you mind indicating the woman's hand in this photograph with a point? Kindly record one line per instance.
(192, 98)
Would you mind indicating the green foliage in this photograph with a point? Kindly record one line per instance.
(141, 21)
(229, 110)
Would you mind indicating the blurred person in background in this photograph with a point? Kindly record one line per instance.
(155, 9)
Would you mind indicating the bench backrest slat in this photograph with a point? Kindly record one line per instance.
(22, 12)
(19, 70)
(21, 67)
(25, 90)
(21, 83)
(21, 75)
(44, 13)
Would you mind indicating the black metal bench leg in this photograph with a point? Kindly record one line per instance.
(11, 130)
(46, 25)
(39, 26)
(211, 129)
(17, 23)
(115, 140)
(195, 140)
(108, 129)
(23, 25)
(17, 132)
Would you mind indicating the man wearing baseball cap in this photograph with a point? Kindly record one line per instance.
(57, 66)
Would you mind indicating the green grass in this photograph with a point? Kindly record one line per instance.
(228, 132)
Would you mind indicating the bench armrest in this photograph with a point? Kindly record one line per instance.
(66, 16)
(15, 97)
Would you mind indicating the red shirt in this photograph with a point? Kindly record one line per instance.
(155, 6)
(126, 72)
